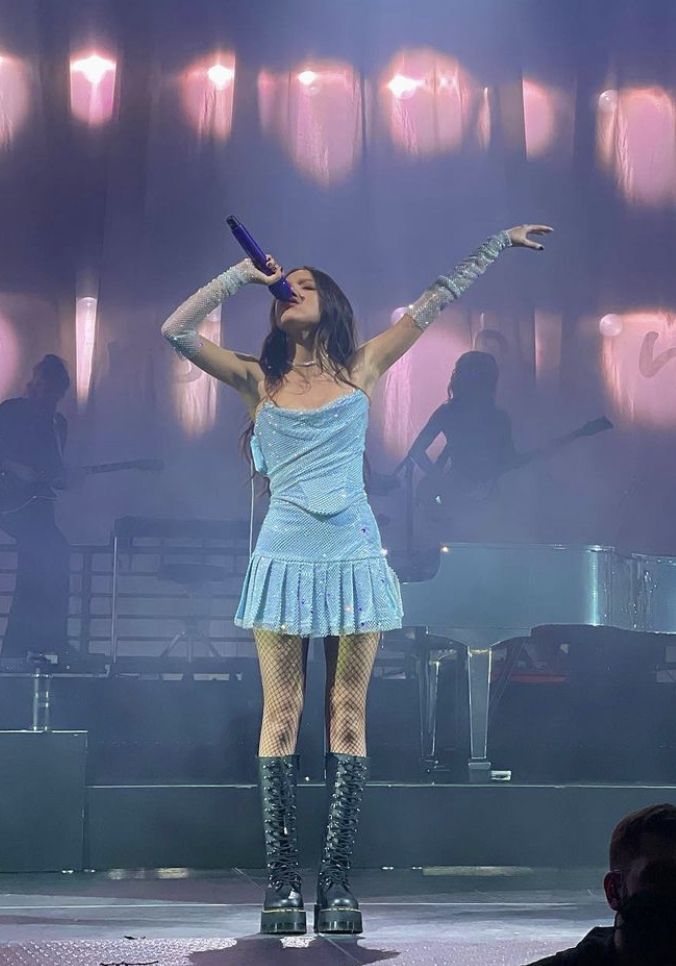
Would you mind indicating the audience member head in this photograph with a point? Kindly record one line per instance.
(641, 885)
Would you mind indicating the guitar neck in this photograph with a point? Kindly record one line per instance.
(589, 429)
(110, 467)
(533, 454)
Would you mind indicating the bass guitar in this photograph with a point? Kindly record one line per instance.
(446, 488)
(16, 493)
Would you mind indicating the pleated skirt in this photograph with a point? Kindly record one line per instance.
(317, 576)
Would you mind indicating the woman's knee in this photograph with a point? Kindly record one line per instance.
(282, 720)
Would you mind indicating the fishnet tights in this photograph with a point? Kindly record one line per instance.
(283, 662)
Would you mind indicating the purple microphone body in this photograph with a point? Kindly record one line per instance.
(281, 289)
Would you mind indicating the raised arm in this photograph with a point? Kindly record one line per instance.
(377, 355)
(425, 438)
(236, 369)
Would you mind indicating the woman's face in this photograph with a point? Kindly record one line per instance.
(304, 312)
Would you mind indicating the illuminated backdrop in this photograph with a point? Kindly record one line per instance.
(369, 139)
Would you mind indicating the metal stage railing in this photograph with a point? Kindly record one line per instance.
(153, 585)
(160, 593)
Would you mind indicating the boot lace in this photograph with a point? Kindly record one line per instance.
(279, 824)
(343, 823)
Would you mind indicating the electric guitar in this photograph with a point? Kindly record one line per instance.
(16, 493)
(448, 487)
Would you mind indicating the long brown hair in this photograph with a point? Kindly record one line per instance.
(335, 344)
(474, 380)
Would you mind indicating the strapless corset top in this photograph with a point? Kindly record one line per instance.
(314, 457)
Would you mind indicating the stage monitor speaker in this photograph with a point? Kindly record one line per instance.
(42, 800)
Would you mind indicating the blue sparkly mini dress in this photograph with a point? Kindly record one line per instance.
(318, 568)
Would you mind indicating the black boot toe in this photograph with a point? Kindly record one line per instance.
(337, 910)
(283, 912)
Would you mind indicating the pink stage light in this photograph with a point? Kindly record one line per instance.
(611, 326)
(316, 115)
(636, 142)
(548, 121)
(195, 393)
(430, 103)
(404, 87)
(539, 117)
(548, 334)
(13, 99)
(93, 68)
(606, 122)
(208, 92)
(639, 367)
(484, 120)
(92, 88)
(221, 76)
(309, 78)
(85, 343)
(9, 357)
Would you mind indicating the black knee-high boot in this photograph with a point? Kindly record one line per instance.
(283, 910)
(337, 910)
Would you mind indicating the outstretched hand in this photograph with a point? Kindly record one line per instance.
(519, 236)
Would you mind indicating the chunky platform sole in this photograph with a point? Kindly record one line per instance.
(338, 920)
(288, 922)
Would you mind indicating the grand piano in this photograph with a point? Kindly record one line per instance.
(484, 594)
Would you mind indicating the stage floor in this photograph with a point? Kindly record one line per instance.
(460, 917)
